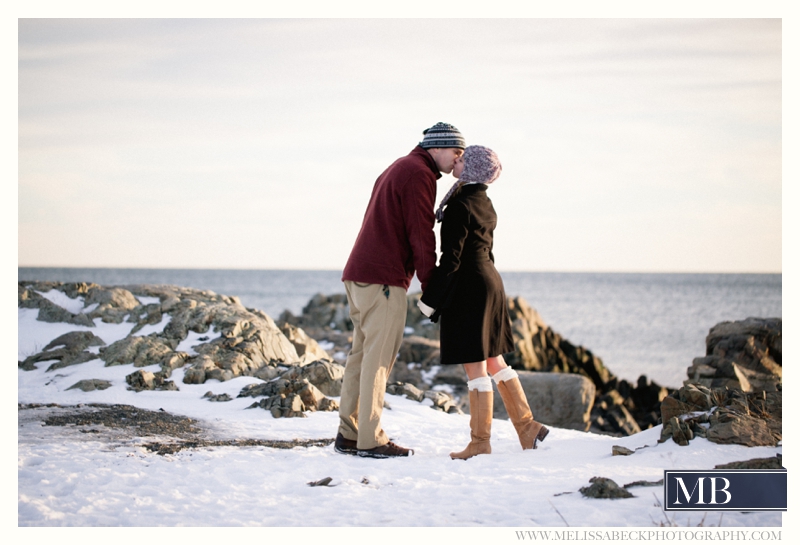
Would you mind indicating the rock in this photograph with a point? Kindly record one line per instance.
(740, 429)
(145, 315)
(405, 389)
(89, 385)
(744, 355)
(288, 398)
(269, 372)
(332, 312)
(201, 367)
(775, 462)
(322, 482)
(723, 416)
(145, 380)
(453, 375)
(441, 400)
(618, 450)
(140, 351)
(113, 304)
(27, 297)
(218, 397)
(404, 372)
(671, 407)
(560, 400)
(307, 348)
(248, 340)
(325, 375)
(69, 349)
(681, 432)
(659, 482)
(323, 311)
(529, 332)
(420, 350)
(604, 488)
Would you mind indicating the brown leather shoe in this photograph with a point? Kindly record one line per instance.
(389, 450)
(344, 446)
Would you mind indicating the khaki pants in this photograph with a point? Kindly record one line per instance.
(378, 324)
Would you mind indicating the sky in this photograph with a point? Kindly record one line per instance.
(628, 145)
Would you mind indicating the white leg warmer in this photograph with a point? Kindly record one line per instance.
(506, 374)
(482, 384)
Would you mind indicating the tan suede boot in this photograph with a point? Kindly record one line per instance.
(529, 430)
(480, 423)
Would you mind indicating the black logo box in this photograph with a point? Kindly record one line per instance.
(725, 490)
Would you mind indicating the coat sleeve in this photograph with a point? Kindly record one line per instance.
(454, 231)
(418, 200)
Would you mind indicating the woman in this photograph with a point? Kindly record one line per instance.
(466, 293)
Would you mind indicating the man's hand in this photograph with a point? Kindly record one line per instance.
(425, 309)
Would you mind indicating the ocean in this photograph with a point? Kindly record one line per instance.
(637, 323)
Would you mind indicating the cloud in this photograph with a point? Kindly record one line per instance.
(218, 125)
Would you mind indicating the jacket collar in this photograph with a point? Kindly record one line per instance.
(423, 153)
(472, 188)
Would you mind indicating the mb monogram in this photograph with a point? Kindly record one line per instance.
(725, 490)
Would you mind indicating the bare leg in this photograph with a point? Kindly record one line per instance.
(495, 364)
(475, 370)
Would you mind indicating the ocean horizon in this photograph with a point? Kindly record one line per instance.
(651, 324)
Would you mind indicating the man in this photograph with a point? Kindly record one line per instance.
(396, 239)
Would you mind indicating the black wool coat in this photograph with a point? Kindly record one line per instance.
(465, 289)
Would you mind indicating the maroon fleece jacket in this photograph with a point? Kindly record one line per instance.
(396, 237)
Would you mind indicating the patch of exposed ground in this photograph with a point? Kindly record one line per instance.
(164, 433)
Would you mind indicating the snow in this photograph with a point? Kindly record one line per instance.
(75, 306)
(154, 328)
(35, 335)
(194, 338)
(69, 478)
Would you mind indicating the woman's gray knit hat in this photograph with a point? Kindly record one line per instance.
(442, 135)
(481, 166)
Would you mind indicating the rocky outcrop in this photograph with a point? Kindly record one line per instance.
(308, 350)
(68, 349)
(289, 398)
(745, 355)
(322, 311)
(734, 393)
(617, 406)
(723, 416)
(142, 352)
(49, 311)
(244, 340)
(325, 375)
(229, 339)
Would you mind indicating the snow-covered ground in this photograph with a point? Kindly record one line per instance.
(69, 478)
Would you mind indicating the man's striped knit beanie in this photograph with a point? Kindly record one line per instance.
(442, 135)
